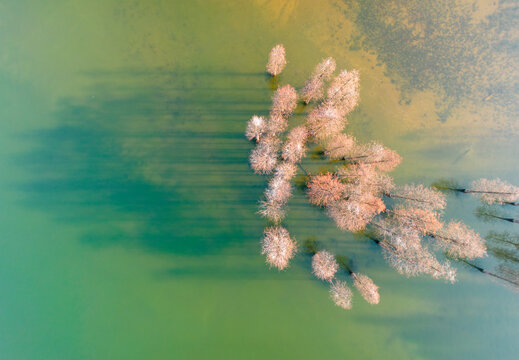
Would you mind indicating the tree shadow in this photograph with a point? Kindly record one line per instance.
(154, 160)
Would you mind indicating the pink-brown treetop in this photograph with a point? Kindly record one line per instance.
(343, 92)
(279, 190)
(276, 124)
(325, 69)
(381, 157)
(414, 259)
(354, 213)
(366, 177)
(404, 251)
(325, 189)
(392, 232)
(286, 170)
(272, 210)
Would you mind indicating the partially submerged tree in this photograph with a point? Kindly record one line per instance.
(278, 247)
(419, 196)
(367, 288)
(341, 294)
(324, 190)
(495, 191)
(313, 89)
(343, 93)
(324, 265)
(277, 61)
(490, 191)
(264, 158)
(459, 241)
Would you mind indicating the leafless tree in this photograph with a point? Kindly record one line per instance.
(324, 265)
(341, 294)
(313, 89)
(278, 247)
(277, 61)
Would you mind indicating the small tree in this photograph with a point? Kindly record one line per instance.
(278, 247)
(277, 61)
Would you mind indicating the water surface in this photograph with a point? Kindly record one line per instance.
(128, 208)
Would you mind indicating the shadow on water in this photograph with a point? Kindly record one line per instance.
(152, 160)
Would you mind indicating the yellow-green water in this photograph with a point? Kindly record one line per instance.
(127, 207)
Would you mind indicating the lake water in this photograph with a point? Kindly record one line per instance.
(128, 209)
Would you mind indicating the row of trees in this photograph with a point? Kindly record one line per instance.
(356, 191)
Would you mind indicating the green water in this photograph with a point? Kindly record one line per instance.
(127, 207)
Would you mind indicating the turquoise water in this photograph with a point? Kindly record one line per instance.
(128, 210)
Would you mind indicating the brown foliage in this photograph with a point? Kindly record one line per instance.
(325, 189)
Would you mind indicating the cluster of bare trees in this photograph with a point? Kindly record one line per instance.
(356, 191)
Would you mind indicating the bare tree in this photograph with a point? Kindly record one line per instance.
(341, 294)
(460, 241)
(324, 265)
(278, 247)
(495, 191)
(325, 189)
(264, 158)
(324, 122)
(277, 61)
(295, 146)
(366, 288)
(419, 196)
(340, 146)
(354, 213)
(256, 127)
(313, 89)
(343, 92)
